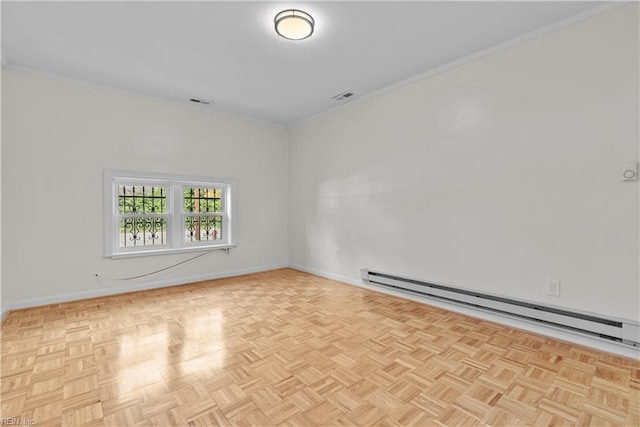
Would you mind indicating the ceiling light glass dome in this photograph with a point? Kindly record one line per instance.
(293, 24)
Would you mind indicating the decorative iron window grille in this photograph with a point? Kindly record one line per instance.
(143, 215)
(203, 214)
(151, 213)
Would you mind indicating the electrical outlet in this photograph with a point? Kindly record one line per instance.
(553, 287)
(338, 253)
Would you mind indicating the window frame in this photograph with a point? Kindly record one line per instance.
(175, 212)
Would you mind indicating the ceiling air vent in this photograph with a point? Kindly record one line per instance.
(342, 96)
(200, 101)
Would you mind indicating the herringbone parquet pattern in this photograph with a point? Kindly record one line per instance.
(288, 348)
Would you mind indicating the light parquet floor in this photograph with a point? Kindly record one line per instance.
(288, 348)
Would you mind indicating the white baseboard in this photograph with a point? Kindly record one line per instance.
(35, 302)
(547, 330)
(326, 275)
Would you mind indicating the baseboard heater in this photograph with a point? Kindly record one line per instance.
(618, 330)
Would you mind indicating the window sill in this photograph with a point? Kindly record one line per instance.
(169, 251)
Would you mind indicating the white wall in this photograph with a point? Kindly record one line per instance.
(494, 176)
(1, 70)
(2, 64)
(59, 136)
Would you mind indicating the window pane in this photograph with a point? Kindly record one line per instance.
(198, 200)
(143, 231)
(203, 228)
(142, 199)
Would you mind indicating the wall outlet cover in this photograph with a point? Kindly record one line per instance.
(553, 287)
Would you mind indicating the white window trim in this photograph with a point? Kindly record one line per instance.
(175, 214)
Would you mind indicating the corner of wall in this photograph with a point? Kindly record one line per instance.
(289, 207)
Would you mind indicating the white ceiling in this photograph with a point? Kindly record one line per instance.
(228, 52)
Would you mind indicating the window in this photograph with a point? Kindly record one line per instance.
(152, 213)
(203, 213)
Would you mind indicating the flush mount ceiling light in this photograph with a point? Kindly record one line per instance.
(293, 24)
